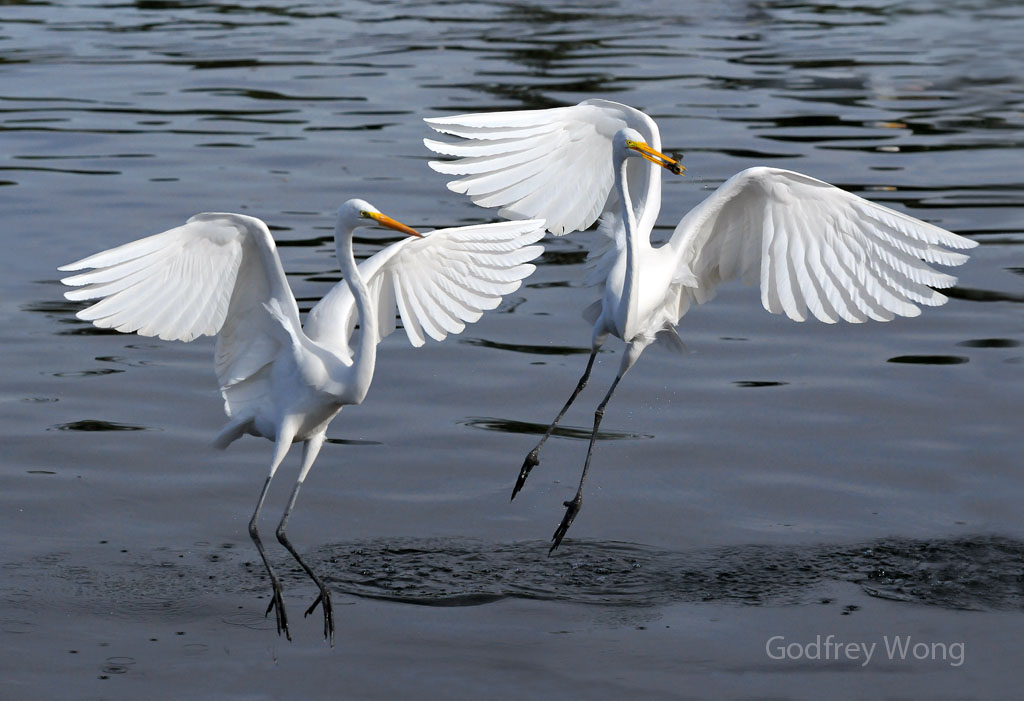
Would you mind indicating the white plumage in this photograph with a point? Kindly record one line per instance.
(816, 250)
(220, 274)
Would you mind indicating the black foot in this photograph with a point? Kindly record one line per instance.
(325, 600)
(571, 509)
(277, 605)
(531, 462)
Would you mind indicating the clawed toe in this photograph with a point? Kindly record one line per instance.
(531, 461)
(324, 599)
(572, 508)
(277, 605)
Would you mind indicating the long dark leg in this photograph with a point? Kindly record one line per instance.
(310, 450)
(573, 507)
(284, 441)
(532, 459)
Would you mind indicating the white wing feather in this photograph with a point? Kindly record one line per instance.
(553, 164)
(816, 249)
(211, 276)
(438, 283)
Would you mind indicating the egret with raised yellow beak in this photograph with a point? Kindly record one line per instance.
(815, 249)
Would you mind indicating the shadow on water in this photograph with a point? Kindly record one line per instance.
(95, 425)
(978, 295)
(352, 441)
(929, 359)
(990, 343)
(970, 573)
(548, 349)
(580, 433)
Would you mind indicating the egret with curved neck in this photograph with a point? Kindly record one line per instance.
(631, 306)
(219, 274)
(815, 249)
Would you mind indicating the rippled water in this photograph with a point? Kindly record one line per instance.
(781, 479)
(958, 573)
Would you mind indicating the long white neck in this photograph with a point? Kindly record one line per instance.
(365, 357)
(635, 243)
(649, 204)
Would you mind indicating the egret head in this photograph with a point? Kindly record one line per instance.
(357, 213)
(630, 143)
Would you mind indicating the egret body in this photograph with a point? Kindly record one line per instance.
(815, 249)
(220, 275)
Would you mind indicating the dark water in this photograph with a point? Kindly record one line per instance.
(780, 480)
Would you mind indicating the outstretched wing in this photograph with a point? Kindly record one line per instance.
(439, 282)
(816, 249)
(211, 276)
(553, 164)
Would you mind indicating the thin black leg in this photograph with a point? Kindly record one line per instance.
(276, 600)
(573, 506)
(309, 452)
(532, 459)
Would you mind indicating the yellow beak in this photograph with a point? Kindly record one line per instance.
(386, 221)
(656, 157)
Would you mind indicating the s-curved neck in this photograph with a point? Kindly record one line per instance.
(635, 238)
(365, 356)
(649, 205)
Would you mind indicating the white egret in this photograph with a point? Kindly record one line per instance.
(220, 274)
(817, 250)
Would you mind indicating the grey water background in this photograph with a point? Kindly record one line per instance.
(793, 480)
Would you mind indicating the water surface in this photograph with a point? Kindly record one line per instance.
(781, 479)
